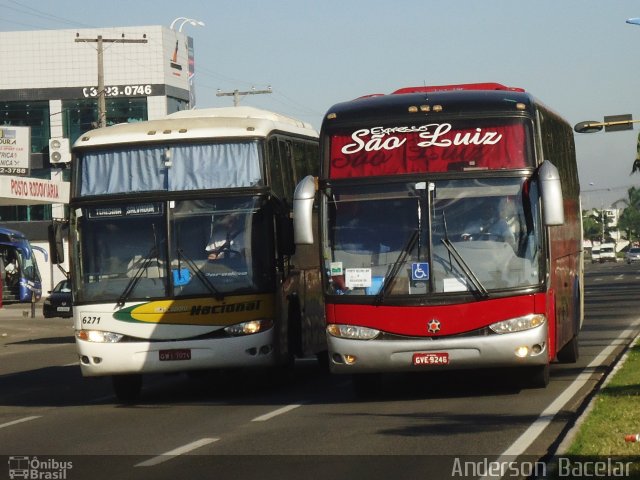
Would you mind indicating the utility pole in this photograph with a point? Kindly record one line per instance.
(102, 103)
(236, 94)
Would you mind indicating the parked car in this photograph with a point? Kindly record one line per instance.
(632, 255)
(58, 303)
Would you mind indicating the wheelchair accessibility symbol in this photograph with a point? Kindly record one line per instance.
(420, 271)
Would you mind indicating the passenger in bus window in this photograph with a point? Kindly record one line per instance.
(11, 271)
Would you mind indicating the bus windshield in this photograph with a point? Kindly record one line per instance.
(420, 238)
(213, 246)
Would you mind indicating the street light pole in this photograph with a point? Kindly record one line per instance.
(196, 23)
(185, 20)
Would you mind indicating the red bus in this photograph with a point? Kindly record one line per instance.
(450, 233)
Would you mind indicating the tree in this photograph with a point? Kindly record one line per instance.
(630, 218)
(592, 224)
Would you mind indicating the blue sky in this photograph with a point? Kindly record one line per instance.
(577, 56)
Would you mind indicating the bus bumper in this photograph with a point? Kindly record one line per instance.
(99, 359)
(506, 350)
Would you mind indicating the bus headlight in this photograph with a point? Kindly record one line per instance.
(249, 328)
(518, 324)
(352, 331)
(98, 336)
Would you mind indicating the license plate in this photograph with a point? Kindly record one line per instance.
(174, 355)
(64, 309)
(436, 358)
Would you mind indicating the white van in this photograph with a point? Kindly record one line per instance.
(608, 252)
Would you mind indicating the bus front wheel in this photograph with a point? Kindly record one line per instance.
(366, 385)
(537, 377)
(127, 387)
(570, 353)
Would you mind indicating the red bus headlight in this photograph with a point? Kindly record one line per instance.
(353, 332)
(518, 324)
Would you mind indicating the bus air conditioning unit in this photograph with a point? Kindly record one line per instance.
(59, 151)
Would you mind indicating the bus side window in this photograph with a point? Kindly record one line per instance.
(305, 157)
(275, 170)
(287, 169)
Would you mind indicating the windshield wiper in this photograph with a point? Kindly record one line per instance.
(146, 261)
(464, 266)
(201, 276)
(395, 268)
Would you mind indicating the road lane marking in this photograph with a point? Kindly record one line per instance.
(275, 413)
(21, 420)
(537, 427)
(176, 452)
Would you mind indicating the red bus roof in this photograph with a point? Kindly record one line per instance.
(462, 86)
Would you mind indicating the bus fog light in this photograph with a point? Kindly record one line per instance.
(518, 324)
(522, 351)
(353, 332)
(350, 359)
(536, 349)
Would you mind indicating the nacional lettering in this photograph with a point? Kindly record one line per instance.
(432, 135)
(229, 308)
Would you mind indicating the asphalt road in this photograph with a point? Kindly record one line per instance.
(246, 425)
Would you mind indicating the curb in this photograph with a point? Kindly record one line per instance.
(571, 433)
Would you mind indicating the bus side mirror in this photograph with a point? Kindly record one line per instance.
(303, 198)
(56, 244)
(551, 193)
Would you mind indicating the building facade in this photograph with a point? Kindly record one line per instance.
(51, 82)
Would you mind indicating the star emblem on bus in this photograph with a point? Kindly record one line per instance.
(433, 326)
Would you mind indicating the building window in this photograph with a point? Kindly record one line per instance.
(80, 116)
(34, 114)
(176, 105)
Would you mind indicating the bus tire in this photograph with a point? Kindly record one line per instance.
(366, 385)
(323, 361)
(537, 377)
(127, 387)
(570, 352)
(294, 328)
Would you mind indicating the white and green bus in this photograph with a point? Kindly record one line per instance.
(182, 246)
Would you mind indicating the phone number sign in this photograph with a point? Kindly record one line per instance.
(142, 90)
(15, 150)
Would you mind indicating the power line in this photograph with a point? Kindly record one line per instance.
(34, 12)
